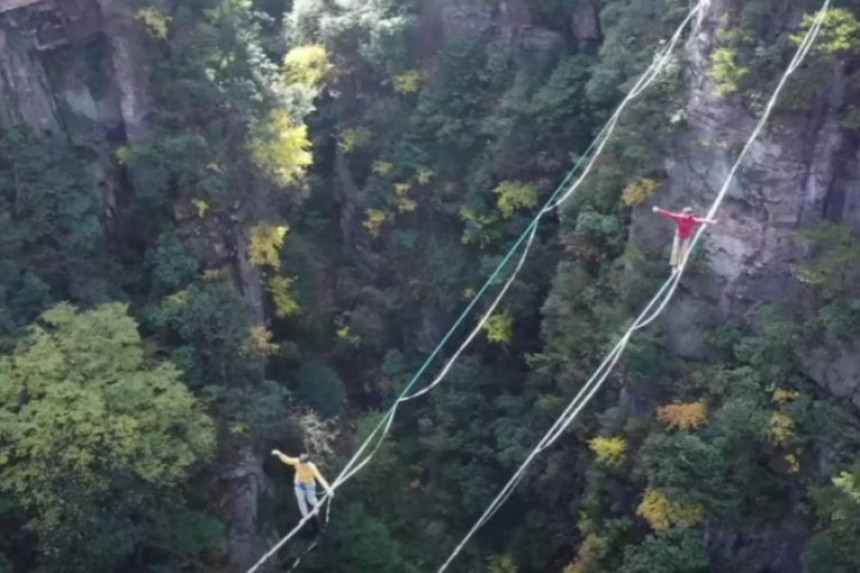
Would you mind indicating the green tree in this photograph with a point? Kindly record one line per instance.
(319, 387)
(85, 413)
(51, 241)
(678, 551)
(361, 542)
(837, 508)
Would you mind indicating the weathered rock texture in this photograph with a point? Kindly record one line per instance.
(9, 5)
(239, 486)
(25, 96)
(130, 67)
(71, 69)
(801, 170)
(40, 33)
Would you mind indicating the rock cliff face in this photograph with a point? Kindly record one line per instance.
(69, 69)
(41, 38)
(802, 170)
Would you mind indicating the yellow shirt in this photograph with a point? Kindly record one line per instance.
(305, 473)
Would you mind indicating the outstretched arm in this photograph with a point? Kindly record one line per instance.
(322, 480)
(286, 459)
(706, 221)
(666, 214)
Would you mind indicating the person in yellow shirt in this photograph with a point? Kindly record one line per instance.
(307, 475)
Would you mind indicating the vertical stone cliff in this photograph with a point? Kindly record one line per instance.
(800, 172)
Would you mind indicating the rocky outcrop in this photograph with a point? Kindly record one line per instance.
(802, 169)
(54, 81)
(464, 18)
(9, 5)
(836, 368)
(240, 484)
(446, 22)
(74, 69)
(585, 24)
(25, 95)
(130, 66)
(32, 34)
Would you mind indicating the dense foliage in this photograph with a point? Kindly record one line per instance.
(324, 186)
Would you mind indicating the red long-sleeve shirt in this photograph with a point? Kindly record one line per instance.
(686, 223)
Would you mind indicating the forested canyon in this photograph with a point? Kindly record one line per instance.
(234, 226)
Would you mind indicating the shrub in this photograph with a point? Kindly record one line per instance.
(726, 71)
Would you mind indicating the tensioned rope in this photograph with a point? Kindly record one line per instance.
(552, 203)
(660, 300)
(561, 194)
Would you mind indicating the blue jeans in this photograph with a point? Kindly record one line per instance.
(306, 492)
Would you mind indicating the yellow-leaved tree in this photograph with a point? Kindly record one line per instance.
(265, 245)
(281, 289)
(609, 451)
(683, 416)
(376, 221)
(662, 513)
(500, 327)
(307, 65)
(640, 191)
(156, 21)
(408, 82)
(726, 72)
(592, 550)
(515, 195)
(281, 148)
(259, 342)
(782, 428)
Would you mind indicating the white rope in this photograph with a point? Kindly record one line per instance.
(354, 466)
(643, 83)
(663, 296)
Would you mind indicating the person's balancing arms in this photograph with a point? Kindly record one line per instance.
(686, 224)
(307, 474)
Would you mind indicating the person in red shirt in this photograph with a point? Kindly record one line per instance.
(687, 224)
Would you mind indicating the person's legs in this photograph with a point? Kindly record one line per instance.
(675, 259)
(311, 492)
(683, 251)
(300, 497)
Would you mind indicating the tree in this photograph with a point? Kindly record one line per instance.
(52, 245)
(840, 33)
(85, 414)
(837, 508)
(319, 387)
(679, 551)
(687, 416)
(609, 451)
(726, 71)
(514, 196)
(307, 65)
(689, 469)
(662, 513)
(281, 148)
(361, 542)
